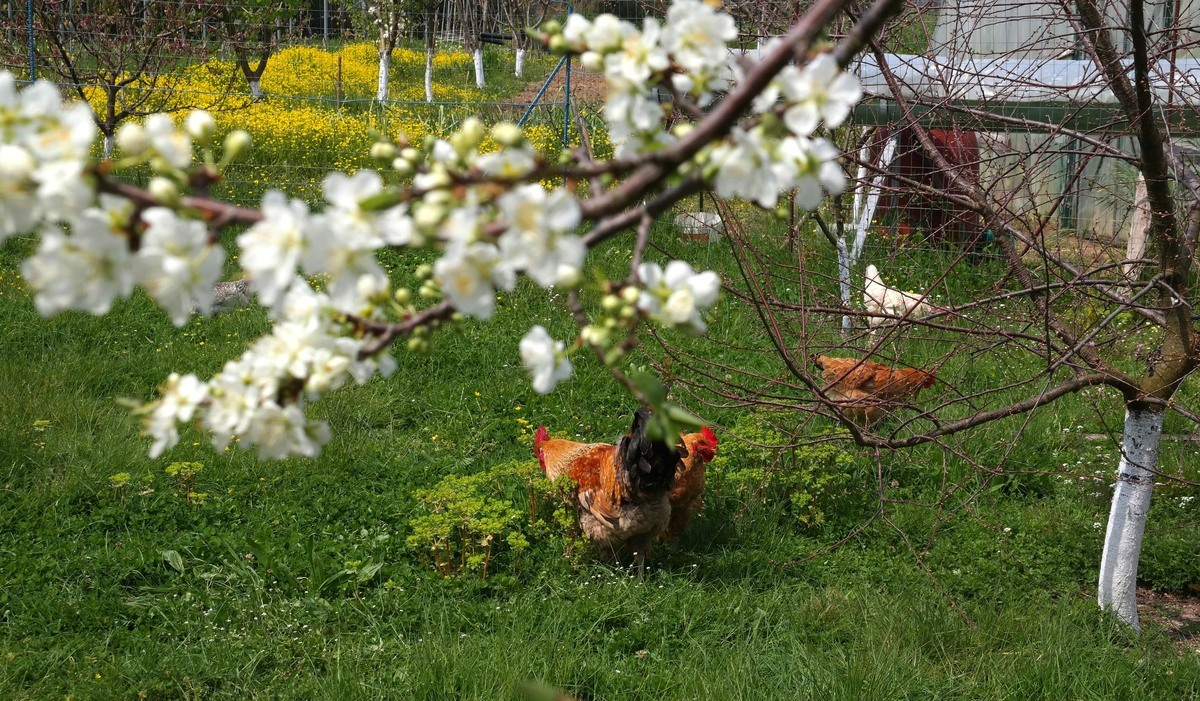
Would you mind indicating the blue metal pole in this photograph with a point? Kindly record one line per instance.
(32, 56)
(567, 91)
(521, 121)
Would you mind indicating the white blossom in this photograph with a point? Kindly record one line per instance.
(180, 397)
(176, 264)
(812, 167)
(545, 359)
(676, 296)
(271, 249)
(537, 240)
(83, 271)
(697, 36)
(819, 91)
(746, 169)
(19, 209)
(171, 144)
(469, 274)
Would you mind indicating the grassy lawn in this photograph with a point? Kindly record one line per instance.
(122, 577)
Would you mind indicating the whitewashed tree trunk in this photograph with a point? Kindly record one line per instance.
(429, 75)
(519, 69)
(255, 87)
(1139, 227)
(109, 142)
(1127, 519)
(479, 68)
(385, 64)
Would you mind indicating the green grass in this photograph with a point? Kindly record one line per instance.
(111, 591)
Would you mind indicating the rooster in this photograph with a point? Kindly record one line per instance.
(621, 490)
(864, 389)
(878, 298)
(696, 451)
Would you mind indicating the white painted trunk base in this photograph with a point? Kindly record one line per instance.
(479, 68)
(429, 75)
(255, 88)
(385, 65)
(109, 142)
(1127, 520)
(519, 68)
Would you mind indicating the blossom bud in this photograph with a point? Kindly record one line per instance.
(236, 143)
(508, 134)
(552, 27)
(592, 61)
(410, 154)
(418, 345)
(428, 216)
(682, 129)
(403, 296)
(594, 335)
(163, 190)
(403, 168)
(201, 126)
(424, 271)
(630, 294)
(429, 291)
(559, 45)
(383, 151)
(467, 137)
(132, 139)
(568, 276)
(611, 303)
(628, 312)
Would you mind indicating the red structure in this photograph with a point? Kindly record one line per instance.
(940, 219)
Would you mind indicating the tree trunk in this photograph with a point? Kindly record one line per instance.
(385, 63)
(1139, 227)
(519, 70)
(429, 74)
(479, 67)
(255, 87)
(109, 142)
(1130, 506)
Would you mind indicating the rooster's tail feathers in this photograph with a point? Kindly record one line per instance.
(648, 463)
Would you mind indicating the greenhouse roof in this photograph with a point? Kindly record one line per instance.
(1001, 93)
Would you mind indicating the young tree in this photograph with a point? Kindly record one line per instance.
(387, 16)
(253, 28)
(520, 15)
(131, 53)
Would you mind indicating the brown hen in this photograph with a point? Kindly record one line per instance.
(864, 390)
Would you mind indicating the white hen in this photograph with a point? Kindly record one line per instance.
(878, 298)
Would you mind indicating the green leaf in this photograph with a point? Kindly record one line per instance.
(682, 417)
(651, 387)
(173, 559)
(366, 572)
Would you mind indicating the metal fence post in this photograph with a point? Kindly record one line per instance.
(567, 90)
(32, 55)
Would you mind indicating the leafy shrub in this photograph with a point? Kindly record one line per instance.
(471, 520)
(808, 479)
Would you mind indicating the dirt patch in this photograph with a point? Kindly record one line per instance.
(1178, 615)
(587, 89)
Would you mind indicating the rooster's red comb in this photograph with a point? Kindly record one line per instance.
(708, 435)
